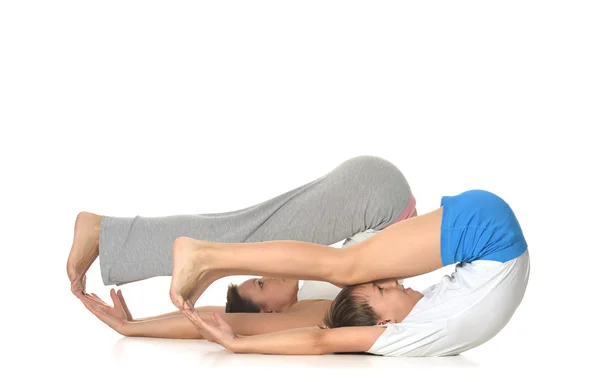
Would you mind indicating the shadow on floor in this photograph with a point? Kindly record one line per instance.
(208, 354)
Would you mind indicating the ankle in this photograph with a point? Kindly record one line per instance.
(343, 270)
(332, 267)
(219, 260)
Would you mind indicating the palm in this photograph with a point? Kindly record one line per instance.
(224, 332)
(114, 316)
(118, 311)
(219, 332)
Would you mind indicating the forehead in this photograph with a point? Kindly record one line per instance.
(248, 289)
(366, 290)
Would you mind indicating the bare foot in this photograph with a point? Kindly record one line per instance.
(84, 250)
(191, 273)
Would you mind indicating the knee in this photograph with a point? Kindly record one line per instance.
(378, 171)
(382, 180)
(369, 164)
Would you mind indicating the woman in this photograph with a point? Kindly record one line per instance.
(475, 229)
(361, 196)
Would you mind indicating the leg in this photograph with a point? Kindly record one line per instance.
(361, 193)
(406, 249)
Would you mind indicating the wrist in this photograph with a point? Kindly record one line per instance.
(234, 345)
(126, 329)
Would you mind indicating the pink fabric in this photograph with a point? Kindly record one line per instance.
(408, 211)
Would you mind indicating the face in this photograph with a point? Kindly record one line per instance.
(390, 300)
(271, 294)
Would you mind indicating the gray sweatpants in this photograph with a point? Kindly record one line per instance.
(362, 193)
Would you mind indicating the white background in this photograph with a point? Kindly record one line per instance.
(157, 108)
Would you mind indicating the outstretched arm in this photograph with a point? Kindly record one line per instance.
(295, 341)
(309, 341)
(177, 326)
(201, 309)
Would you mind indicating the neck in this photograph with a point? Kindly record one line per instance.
(287, 307)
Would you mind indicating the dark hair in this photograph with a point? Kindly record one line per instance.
(350, 309)
(238, 304)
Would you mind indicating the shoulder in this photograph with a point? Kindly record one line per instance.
(415, 339)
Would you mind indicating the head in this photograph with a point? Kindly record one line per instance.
(262, 295)
(376, 303)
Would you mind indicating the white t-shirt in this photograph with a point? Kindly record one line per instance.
(315, 290)
(464, 310)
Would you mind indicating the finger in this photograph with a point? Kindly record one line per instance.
(201, 325)
(98, 310)
(194, 313)
(219, 322)
(102, 316)
(95, 297)
(124, 305)
(122, 300)
(190, 316)
(89, 300)
(195, 319)
(114, 298)
(85, 302)
(218, 319)
(94, 301)
(208, 323)
(88, 304)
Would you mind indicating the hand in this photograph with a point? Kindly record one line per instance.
(219, 332)
(116, 316)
